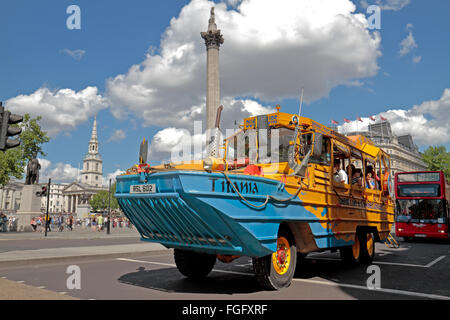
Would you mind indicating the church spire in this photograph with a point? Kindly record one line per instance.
(94, 130)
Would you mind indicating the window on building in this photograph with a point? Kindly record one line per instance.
(96, 167)
(96, 177)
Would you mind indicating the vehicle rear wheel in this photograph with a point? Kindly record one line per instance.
(276, 271)
(194, 264)
(367, 241)
(351, 255)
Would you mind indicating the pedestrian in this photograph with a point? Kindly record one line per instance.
(60, 222)
(100, 223)
(70, 223)
(33, 224)
(4, 222)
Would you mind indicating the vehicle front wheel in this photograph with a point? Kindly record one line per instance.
(276, 271)
(194, 264)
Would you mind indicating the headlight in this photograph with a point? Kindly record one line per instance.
(208, 164)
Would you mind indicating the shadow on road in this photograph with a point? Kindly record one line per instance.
(170, 280)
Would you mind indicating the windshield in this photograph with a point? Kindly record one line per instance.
(419, 190)
(423, 210)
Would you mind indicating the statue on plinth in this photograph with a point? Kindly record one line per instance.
(33, 168)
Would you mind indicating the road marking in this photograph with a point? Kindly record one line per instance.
(435, 261)
(393, 263)
(41, 287)
(62, 293)
(21, 281)
(395, 291)
(4, 278)
(173, 265)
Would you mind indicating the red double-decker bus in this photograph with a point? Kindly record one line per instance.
(422, 205)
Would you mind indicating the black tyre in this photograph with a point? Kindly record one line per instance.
(276, 271)
(194, 264)
(367, 241)
(362, 251)
(351, 255)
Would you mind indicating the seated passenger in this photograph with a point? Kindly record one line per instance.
(370, 183)
(339, 174)
(356, 177)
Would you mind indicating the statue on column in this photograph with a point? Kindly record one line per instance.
(33, 168)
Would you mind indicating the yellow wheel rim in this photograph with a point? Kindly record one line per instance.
(356, 248)
(369, 244)
(281, 259)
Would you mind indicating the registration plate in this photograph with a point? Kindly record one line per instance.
(143, 188)
(420, 235)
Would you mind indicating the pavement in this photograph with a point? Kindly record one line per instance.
(24, 257)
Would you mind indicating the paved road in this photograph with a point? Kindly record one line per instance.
(417, 270)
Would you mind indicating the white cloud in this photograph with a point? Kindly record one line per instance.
(61, 110)
(417, 59)
(409, 43)
(111, 176)
(174, 141)
(270, 52)
(75, 54)
(428, 122)
(394, 5)
(59, 173)
(118, 135)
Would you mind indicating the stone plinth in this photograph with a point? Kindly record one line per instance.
(30, 206)
(83, 211)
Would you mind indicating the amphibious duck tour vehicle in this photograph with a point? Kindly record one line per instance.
(275, 204)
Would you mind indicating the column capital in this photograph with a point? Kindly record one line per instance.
(213, 39)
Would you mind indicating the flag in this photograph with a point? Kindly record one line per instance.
(359, 119)
(382, 118)
(372, 118)
(334, 122)
(346, 120)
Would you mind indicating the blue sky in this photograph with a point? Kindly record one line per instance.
(115, 35)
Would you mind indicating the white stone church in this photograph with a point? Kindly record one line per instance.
(66, 198)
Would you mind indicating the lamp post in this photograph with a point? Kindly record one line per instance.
(109, 209)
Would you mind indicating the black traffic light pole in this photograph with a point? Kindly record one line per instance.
(48, 202)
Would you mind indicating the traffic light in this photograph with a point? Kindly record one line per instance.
(6, 119)
(43, 192)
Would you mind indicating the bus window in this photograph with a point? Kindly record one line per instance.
(340, 159)
(325, 157)
(370, 176)
(355, 171)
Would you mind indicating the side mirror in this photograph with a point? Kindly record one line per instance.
(318, 142)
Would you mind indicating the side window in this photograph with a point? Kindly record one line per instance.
(355, 170)
(340, 162)
(370, 176)
(325, 155)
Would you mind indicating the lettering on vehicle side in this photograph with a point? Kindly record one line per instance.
(361, 204)
(243, 187)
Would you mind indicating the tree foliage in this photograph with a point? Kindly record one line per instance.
(13, 161)
(100, 200)
(437, 159)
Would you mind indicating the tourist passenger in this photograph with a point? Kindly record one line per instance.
(339, 174)
(356, 177)
(370, 183)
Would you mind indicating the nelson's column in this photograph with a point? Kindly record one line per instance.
(213, 40)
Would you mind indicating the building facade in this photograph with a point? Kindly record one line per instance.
(10, 196)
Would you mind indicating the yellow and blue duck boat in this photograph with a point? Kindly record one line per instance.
(274, 211)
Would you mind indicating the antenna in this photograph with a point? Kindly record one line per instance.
(300, 108)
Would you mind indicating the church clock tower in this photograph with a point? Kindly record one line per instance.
(92, 163)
